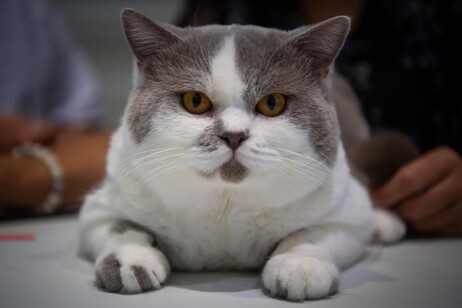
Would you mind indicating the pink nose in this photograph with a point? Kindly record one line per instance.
(234, 140)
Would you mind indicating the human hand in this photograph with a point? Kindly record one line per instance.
(427, 193)
(15, 130)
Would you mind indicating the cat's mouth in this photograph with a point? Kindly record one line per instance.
(233, 171)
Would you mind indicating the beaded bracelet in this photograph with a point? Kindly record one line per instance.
(40, 152)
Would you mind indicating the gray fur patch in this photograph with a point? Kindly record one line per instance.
(280, 290)
(209, 140)
(379, 157)
(108, 275)
(142, 277)
(334, 287)
(175, 69)
(233, 171)
(282, 68)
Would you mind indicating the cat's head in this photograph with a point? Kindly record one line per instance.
(233, 103)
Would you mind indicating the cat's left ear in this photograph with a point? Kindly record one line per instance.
(322, 42)
(144, 36)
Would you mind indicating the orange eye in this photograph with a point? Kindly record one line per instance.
(196, 102)
(272, 104)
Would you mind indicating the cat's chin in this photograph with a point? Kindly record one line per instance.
(232, 171)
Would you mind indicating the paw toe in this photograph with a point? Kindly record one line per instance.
(132, 269)
(300, 278)
(108, 274)
(145, 280)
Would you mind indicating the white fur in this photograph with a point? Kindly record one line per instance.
(321, 216)
(299, 277)
(225, 84)
(138, 78)
(388, 227)
(235, 119)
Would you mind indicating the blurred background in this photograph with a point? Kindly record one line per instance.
(401, 59)
(95, 25)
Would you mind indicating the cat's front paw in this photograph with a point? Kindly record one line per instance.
(388, 228)
(132, 269)
(299, 278)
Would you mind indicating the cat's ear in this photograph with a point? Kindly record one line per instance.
(144, 36)
(322, 42)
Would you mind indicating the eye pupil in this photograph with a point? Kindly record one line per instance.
(196, 100)
(271, 102)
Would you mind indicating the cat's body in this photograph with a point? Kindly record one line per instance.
(230, 187)
(220, 227)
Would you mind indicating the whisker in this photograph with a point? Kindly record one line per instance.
(137, 156)
(318, 152)
(310, 178)
(307, 167)
(159, 170)
(165, 171)
(307, 158)
(157, 160)
(133, 161)
(153, 153)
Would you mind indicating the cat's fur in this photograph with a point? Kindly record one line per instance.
(177, 196)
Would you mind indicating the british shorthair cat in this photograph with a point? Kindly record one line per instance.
(229, 157)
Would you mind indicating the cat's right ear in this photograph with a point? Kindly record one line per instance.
(322, 42)
(144, 36)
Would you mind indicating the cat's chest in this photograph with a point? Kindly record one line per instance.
(228, 236)
(217, 229)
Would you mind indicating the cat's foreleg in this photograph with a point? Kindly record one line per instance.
(127, 259)
(306, 264)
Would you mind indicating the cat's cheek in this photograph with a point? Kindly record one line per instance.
(256, 166)
(279, 134)
(178, 127)
(209, 162)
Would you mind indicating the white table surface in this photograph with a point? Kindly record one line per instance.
(47, 273)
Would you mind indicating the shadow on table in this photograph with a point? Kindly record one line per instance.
(361, 272)
(216, 281)
(240, 284)
(243, 283)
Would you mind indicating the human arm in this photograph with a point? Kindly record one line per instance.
(25, 182)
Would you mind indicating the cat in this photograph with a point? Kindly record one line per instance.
(229, 157)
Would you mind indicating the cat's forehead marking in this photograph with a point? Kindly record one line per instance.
(226, 85)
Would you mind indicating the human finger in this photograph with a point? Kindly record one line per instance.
(433, 200)
(416, 176)
(449, 219)
(455, 230)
